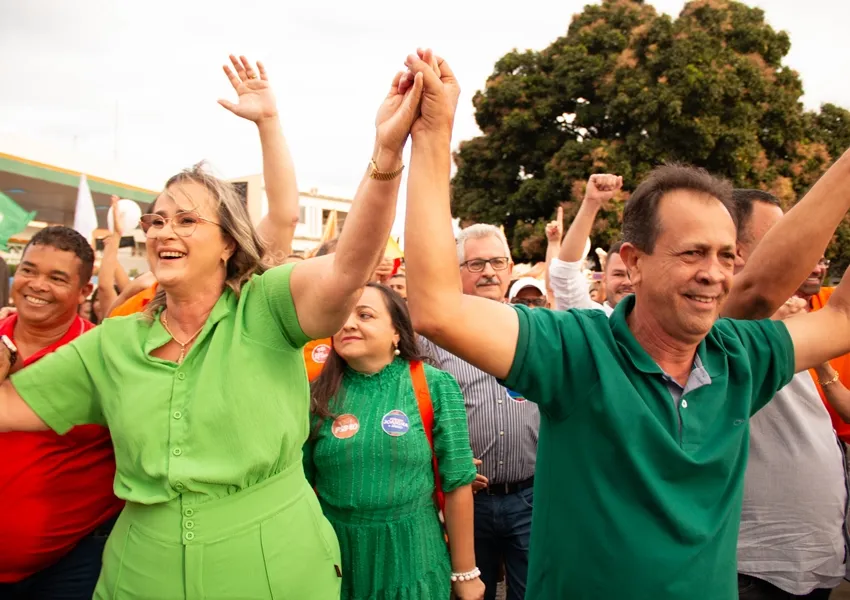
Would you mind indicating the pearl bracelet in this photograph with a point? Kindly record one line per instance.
(468, 576)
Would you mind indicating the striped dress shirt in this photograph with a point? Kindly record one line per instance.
(503, 427)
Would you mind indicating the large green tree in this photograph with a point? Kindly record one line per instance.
(628, 89)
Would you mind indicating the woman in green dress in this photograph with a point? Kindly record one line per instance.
(206, 395)
(370, 461)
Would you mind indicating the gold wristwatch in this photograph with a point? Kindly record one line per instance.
(374, 173)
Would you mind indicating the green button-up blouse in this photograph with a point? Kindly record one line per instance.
(233, 414)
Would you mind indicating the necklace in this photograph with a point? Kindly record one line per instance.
(182, 345)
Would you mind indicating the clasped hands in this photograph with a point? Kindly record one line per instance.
(421, 102)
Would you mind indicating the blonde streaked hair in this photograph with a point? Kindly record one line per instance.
(247, 258)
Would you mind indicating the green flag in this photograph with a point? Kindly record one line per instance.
(13, 219)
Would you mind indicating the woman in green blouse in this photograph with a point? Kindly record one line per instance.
(206, 395)
(371, 463)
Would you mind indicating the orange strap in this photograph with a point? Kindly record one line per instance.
(426, 413)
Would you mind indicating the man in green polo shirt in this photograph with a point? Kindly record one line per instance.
(644, 417)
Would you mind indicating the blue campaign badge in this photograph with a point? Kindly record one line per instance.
(395, 423)
(515, 396)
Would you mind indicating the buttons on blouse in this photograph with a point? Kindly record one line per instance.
(189, 536)
(179, 486)
(177, 414)
(189, 524)
(684, 404)
(181, 376)
(188, 512)
(177, 452)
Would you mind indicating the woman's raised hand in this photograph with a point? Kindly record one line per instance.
(397, 113)
(255, 99)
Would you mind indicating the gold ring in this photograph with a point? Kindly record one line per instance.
(252, 76)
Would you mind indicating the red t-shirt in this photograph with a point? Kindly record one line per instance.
(54, 489)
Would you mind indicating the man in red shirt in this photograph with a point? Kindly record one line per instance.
(56, 499)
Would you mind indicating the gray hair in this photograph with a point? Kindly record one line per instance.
(247, 259)
(477, 232)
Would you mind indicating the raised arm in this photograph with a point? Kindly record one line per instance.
(325, 289)
(109, 264)
(464, 325)
(569, 284)
(784, 258)
(824, 334)
(600, 189)
(256, 103)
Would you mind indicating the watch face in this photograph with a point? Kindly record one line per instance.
(8, 343)
(13, 350)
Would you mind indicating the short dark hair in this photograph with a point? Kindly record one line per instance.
(67, 240)
(640, 217)
(328, 247)
(614, 249)
(327, 385)
(744, 200)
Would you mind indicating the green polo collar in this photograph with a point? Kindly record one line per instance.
(713, 362)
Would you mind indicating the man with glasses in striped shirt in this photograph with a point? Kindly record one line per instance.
(503, 427)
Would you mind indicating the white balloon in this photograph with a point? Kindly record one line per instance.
(130, 215)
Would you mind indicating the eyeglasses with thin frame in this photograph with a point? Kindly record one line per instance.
(824, 263)
(530, 302)
(183, 224)
(476, 265)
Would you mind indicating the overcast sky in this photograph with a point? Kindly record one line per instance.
(86, 73)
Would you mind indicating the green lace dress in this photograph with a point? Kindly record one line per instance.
(372, 470)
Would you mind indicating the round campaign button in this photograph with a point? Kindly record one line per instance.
(395, 423)
(515, 396)
(320, 353)
(345, 426)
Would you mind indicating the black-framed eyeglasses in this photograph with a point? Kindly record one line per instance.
(476, 265)
(530, 302)
(183, 224)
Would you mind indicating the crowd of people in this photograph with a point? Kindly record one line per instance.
(243, 422)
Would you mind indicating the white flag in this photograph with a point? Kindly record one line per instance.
(85, 217)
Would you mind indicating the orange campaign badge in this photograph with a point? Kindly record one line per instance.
(321, 353)
(345, 426)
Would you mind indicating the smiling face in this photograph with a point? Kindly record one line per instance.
(47, 288)
(814, 281)
(369, 335)
(617, 283)
(687, 278)
(488, 283)
(189, 256)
